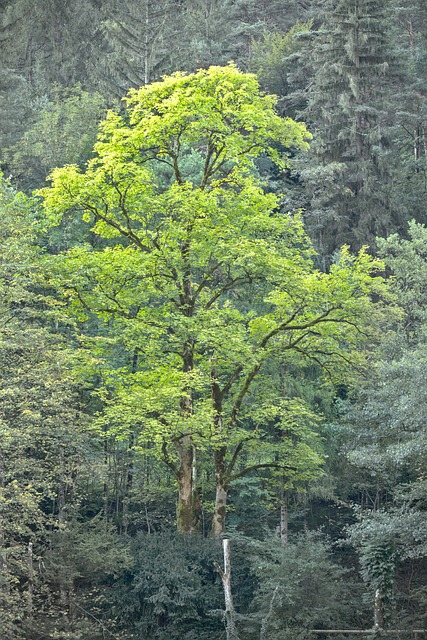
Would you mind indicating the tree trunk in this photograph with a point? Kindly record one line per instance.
(30, 591)
(186, 513)
(378, 611)
(230, 622)
(128, 484)
(3, 554)
(146, 46)
(220, 509)
(218, 523)
(284, 521)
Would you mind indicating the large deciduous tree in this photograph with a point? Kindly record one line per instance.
(201, 278)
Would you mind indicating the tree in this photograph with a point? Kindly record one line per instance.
(171, 589)
(409, 28)
(42, 440)
(71, 117)
(15, 106)
(139, 41)
(386, 439)
(348, 176)
(49, 41)
(191, 238)
(276, 58)
(301, 587)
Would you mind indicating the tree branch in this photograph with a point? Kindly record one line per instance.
(167, 460)
(262, 465)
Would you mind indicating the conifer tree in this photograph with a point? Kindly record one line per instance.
(49, 40)
(348, 177)
(409, 33)
(138, 41)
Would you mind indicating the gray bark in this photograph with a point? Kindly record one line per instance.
(230, 614)
(218, 524)
(284, 522)
(378, 611)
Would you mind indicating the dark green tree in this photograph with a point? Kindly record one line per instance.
(409, 184)
(138, 41)
(16, 109)
(347, 177)
(386, 441)
(49, 41)
(63, 131)
(301, 586)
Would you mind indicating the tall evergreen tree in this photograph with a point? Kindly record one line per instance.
(347, 176)
(49, 41)
(139, 41)
(409, 34)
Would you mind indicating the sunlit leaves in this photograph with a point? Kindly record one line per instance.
(200, 279)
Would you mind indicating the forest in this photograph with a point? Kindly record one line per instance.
(213, 319)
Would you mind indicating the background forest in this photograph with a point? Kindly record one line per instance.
(213, 318)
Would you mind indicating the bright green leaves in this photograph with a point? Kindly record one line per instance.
(202, 282)
(17, 256)
(220, 111)
(323, 317)
(42, 439)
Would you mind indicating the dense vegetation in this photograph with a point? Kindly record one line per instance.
(213, 317)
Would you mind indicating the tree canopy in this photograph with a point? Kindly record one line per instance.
(194, 334)
(181, 257)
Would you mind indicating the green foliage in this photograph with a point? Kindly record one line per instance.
(386, 442)
(15, 106)
(378, 543)
(301, 587)
(49, 41)
(391, 442)
(348, 177)
(80, 566)
(406, 258)
(184, 258)
(273, 57)
(172, 588)
(39, 414)
(63, 132)
(182, 187)
(139, 40)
